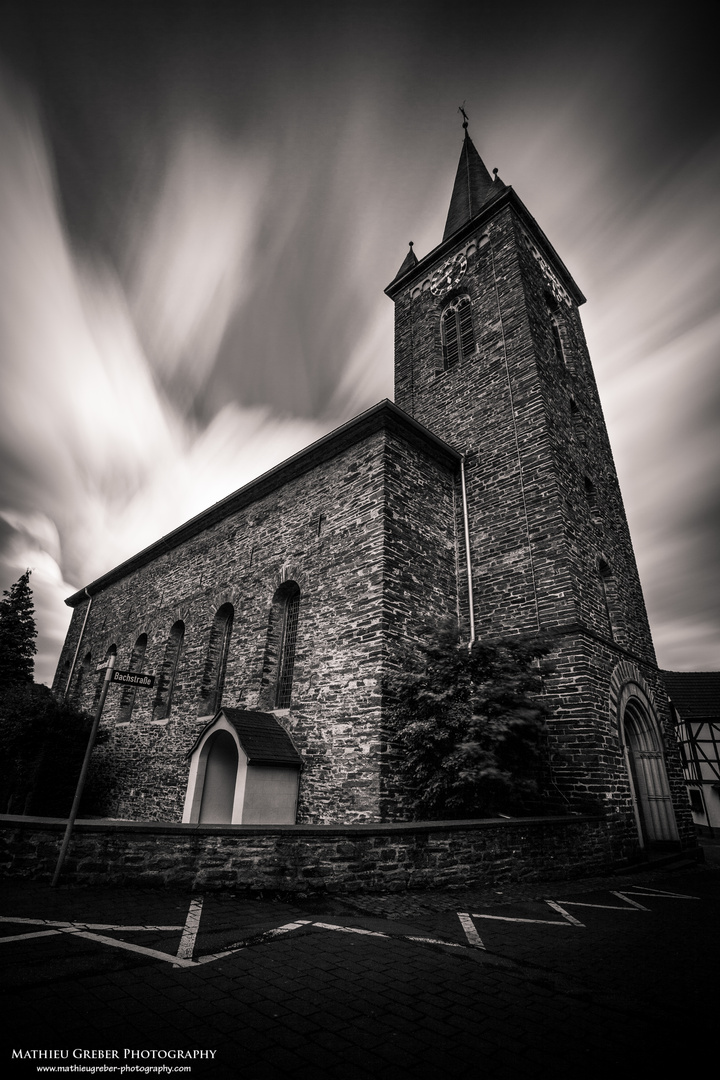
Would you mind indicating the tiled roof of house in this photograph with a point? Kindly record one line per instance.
(695, 694)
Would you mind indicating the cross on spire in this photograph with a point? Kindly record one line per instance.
(461, 109)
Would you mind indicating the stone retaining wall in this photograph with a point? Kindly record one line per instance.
(304, 858)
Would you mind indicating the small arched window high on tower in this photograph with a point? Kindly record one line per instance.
(456, 332)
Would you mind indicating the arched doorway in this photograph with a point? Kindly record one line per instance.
(646, 765)
(221, 768)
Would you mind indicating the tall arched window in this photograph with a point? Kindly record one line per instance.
(127, 698)
(287, 650)
(456, 331)
(279, 664)
(609, 596)
(168, 672)
(592, 499)
(557, 340)
(82, 677)
(214, 674)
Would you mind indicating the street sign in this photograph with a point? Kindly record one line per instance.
(132, 678)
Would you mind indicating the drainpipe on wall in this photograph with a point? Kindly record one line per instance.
(466, 523)
(77, 650)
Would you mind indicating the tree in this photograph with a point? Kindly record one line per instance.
(470, 725)
(17, 633)
(42, 742)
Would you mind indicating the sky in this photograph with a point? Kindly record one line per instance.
(202, 202)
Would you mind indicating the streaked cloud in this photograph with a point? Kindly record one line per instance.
(195, 238)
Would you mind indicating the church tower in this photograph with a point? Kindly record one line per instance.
(490, 355)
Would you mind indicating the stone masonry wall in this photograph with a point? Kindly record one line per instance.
(551, 550)
(310, 858)
(368, 536)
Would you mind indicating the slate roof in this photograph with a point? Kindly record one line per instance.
(695, 694)
(473, 187)
(383, 416)
(264, 740)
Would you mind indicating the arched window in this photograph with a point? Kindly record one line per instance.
(609, 596)
(276, 690)
(592, 499)
(287, 650)
(168, 672)
(456, 332)
(127, 698)
(82, 677)
(557, 340)
(214, 674)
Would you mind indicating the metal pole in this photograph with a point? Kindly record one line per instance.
(468, 557)
(84, 770)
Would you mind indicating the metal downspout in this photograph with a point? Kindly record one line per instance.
(466, 523)
(77, 650)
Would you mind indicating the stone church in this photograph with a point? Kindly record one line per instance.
(486, 493)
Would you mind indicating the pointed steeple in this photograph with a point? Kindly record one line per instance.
(410, 261)
(473, 187)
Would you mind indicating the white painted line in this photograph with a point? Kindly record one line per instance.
(287, 926)
(81, 926)
(123, 926)
(216, 956)
(33, 922)
(565, 914)
(508, 918)
(624, 896)
(431, 941)
(238, 946)
(645, 890)
(350, 929)
(187, 941)
(25, 937)
(470, 932)
(604, 907)
(176, 961)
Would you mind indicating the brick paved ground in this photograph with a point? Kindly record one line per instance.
(628, 989)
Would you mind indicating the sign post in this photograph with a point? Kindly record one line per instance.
(128, 678)
(84, 770)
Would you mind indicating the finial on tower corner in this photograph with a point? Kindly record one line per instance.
(495, 174)
(461, 109)
(411, 244)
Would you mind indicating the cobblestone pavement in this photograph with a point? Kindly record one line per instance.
(616, 972)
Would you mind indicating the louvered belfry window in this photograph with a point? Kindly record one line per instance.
(287, 654)
(458, 339)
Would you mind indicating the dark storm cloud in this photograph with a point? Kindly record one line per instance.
(202, 202)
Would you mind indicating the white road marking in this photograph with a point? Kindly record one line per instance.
(565, 914)
(470, 932)
(511, 918)
(25, 937)
(187, 941)
(434, 941)
(624, 896)
(84, 926)
(238, 946)
(176, 961)
(350, 929)
(645, 890)
(604, 907)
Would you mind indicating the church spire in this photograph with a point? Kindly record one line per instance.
(473, 186)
